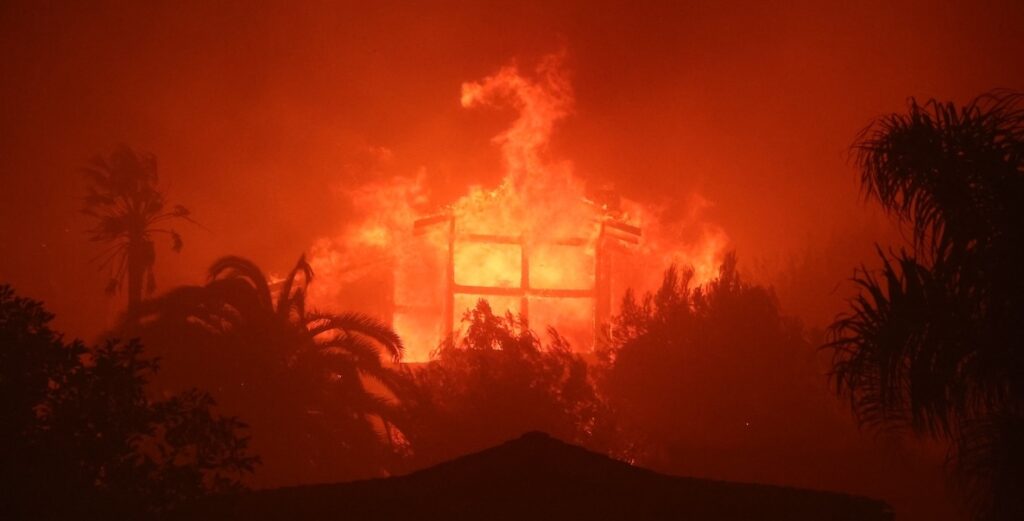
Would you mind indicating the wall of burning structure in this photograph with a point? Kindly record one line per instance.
(552, 277)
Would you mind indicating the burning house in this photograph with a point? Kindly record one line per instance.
(550, 279)
(540, 245)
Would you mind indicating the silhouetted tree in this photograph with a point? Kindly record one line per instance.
(81, 438)
(714, 381)
(31, 355)
(934, 341)
(493, 383)
(129, 210)
(315, 386)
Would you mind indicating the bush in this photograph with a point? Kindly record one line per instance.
(80, 436)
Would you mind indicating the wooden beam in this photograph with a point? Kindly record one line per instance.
(511, 239)
(520, 292)
(419, 224)
(488, 238)
(463, 289)
(524, 279)
(628, 228)
(449, 297)
(602, 287)
(562, 293)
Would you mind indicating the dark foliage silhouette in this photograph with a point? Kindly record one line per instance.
(80, 436)
(494, 382)
(129, 211)
(316, 387)
(714, 381)
(933, 342)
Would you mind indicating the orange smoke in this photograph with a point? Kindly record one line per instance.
(536, 244)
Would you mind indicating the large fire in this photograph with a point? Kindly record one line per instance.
(540, 244)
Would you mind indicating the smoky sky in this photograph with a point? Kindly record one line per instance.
(264, 116)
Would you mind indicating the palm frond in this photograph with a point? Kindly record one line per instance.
(285, 300)
(233, 266)
(359, 351)
(931, 341)
(942, 168)
(360, 324)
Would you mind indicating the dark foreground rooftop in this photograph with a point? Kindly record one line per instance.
(538, 477)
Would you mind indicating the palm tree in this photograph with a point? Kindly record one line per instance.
(129, 210)
(313, 385)
(933, 342)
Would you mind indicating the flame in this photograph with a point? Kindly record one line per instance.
(537, 229)
(541, 102)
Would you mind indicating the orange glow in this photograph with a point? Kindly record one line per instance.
(538, 230)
